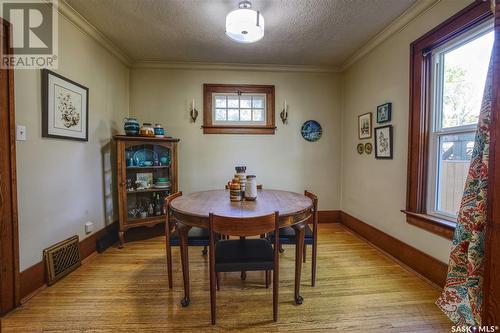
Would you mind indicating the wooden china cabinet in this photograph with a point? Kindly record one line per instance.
(147, 173)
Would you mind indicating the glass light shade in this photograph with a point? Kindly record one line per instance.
(245, 25)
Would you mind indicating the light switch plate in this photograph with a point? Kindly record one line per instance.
(21, 133)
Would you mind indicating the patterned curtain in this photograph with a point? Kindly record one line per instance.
(462, 295)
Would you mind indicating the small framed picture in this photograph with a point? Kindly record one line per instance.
(65, 103)
(384, 113)
(383, 142)
(365, 126)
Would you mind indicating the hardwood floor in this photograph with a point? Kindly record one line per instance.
(357, 290)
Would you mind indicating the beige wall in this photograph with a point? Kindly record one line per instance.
(62, 184)
(375, 190)
(281, 161)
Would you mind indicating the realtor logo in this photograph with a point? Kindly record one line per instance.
(34, 34)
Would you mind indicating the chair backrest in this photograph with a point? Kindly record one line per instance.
(244, 226)
(168, 200)
(314, 199)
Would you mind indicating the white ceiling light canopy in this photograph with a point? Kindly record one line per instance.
(245, 25)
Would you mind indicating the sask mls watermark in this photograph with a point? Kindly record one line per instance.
(34, 34)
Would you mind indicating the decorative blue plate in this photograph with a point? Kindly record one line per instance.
(142, 155)
(311, 130)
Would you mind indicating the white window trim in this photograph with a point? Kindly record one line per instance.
(241, 123)
(436, 130)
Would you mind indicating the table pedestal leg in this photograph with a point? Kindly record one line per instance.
(183, 230)
(299, 251)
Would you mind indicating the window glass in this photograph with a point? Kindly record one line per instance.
(243, 108)
(465, 69)
(454, 158)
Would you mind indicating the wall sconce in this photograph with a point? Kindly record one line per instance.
(193, 113)
(284, 113)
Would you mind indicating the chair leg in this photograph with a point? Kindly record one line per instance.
(212, 295)
(217, 277)
(275, 293)
(313, 265)
(243, 273)
(304, 255)
(267, 279)
(204, 251)
(169, 265)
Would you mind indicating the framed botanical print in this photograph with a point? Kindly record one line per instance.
(383, 142)
(65, 111)
(365, 126)
(384, 113)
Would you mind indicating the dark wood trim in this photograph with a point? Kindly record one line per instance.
(144, 138)
(328, 216)
(425, 265)
(33, 279)
(209, 128)
(45, 106)
(419, 118)
(491, 287)
(238, 130)
(431, 223)
(9, 242)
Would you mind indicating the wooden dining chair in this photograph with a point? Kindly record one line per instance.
(196, 236)
(287, 236)
(254, 254)
(243, 273)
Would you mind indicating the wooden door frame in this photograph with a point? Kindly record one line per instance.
(9, 237)
(491, 287)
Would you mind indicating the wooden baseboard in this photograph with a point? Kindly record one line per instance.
(423, 264)
(328, 216)
(33, 279)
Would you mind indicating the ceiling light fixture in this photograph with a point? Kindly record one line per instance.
(245, 25)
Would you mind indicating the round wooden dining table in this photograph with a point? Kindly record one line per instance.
(193, 210)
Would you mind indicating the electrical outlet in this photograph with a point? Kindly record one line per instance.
(89, 227)
(21, 133)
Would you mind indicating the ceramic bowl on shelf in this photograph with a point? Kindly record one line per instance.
(164, 160)
(148, 163)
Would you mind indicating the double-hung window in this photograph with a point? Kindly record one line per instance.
(458, 73)
(448, 68)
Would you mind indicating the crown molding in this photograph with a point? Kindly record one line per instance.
(418, 9)
(75, 18)
(233, 67)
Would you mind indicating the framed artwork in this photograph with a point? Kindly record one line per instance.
(383, 142)
(65, 113)
(365, 126)
(384, 113)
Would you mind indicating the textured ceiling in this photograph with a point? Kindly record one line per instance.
(297, 32)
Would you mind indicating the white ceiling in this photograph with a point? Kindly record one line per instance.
(297, 32)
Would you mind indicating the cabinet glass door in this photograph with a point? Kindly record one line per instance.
(148, 181)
